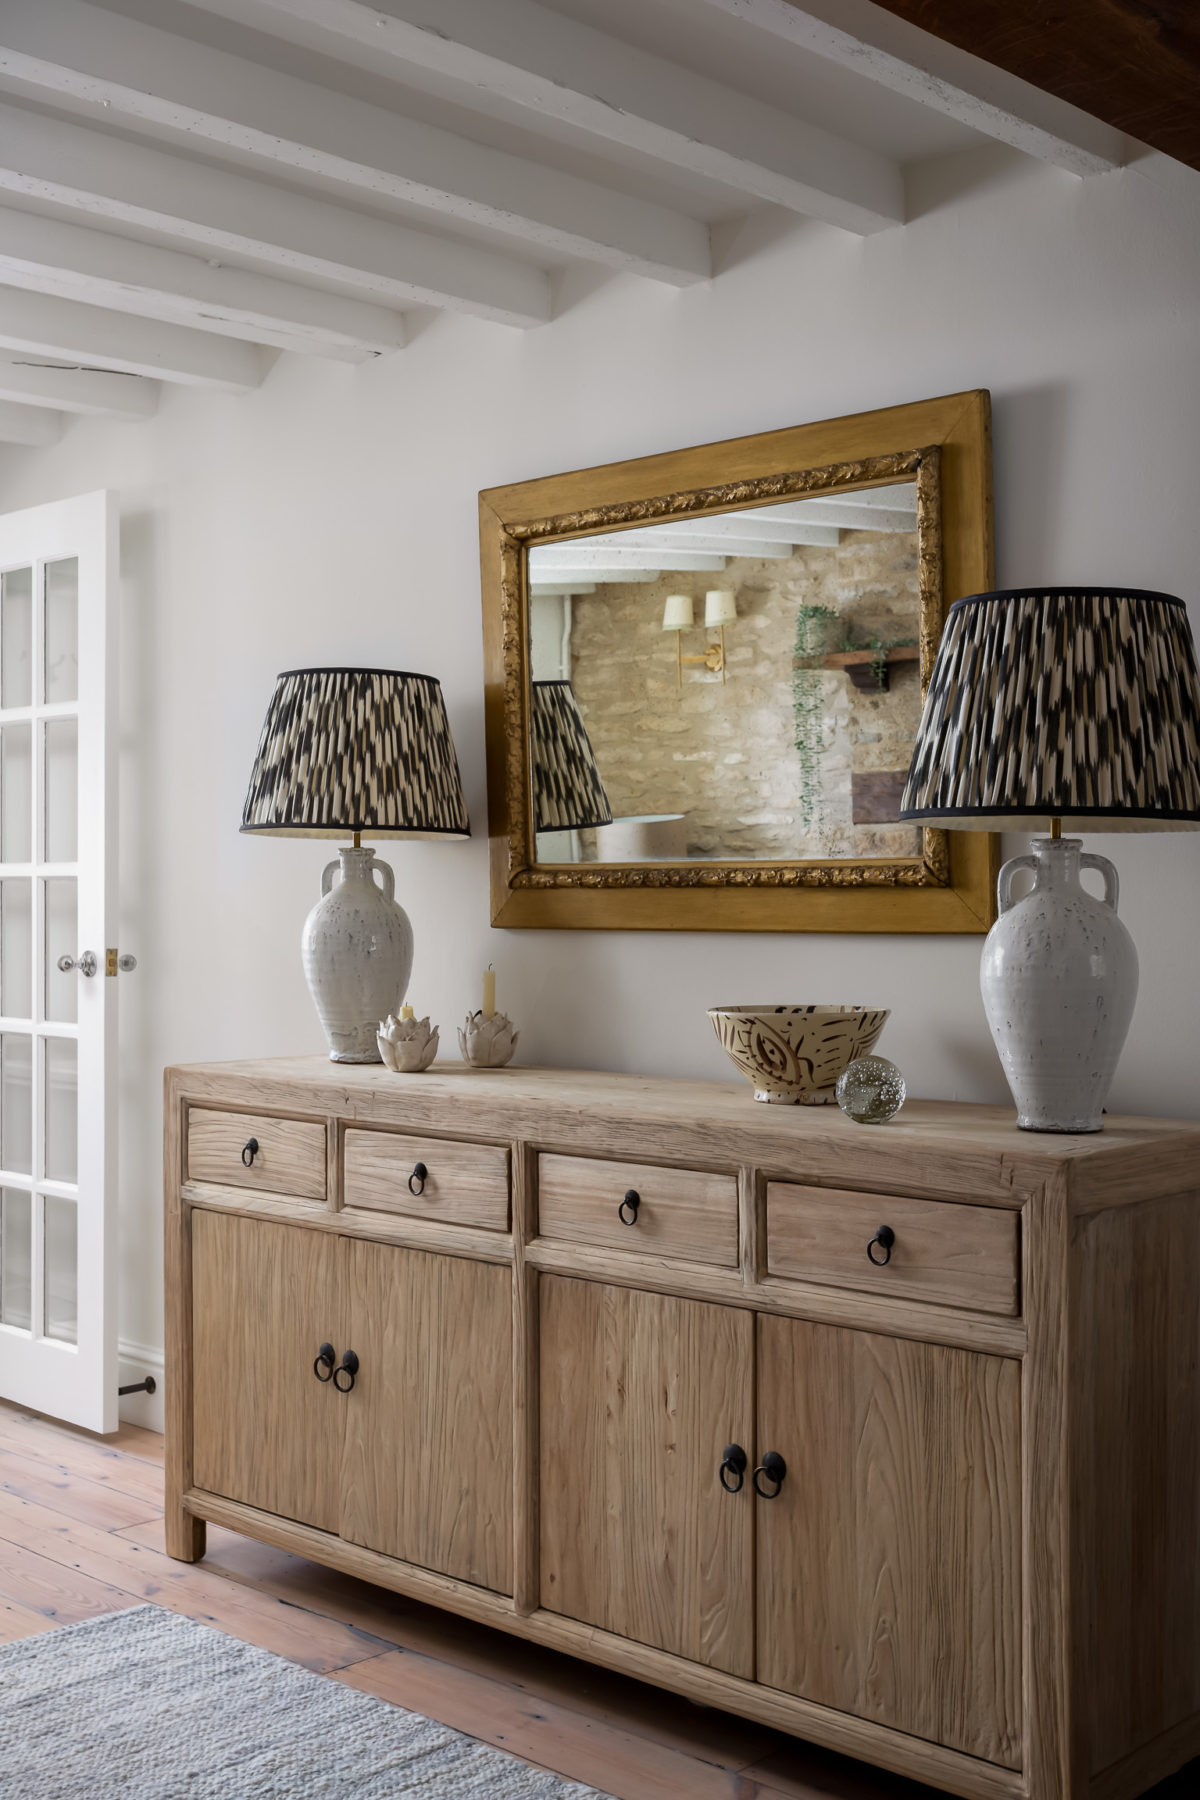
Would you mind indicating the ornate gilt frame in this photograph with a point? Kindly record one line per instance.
(950, 887)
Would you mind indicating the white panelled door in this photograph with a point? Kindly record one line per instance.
(58, 1002)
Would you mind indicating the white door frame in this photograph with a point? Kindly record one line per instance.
(76, 1382)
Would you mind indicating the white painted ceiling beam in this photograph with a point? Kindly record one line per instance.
(850, 517)
(43, 325)
(556, 557)
(556, 66)
(140, 73)
(898, 55)
(76, 390)
(556, 590)
(76, 262)
(225, 213)
(31, 425)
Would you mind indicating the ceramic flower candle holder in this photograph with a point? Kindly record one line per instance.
(487, 1043)
(407, 1045)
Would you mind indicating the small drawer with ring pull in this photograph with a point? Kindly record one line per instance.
(254, 1150)
(687, 1214)
(426, 1178)
(934, 1250)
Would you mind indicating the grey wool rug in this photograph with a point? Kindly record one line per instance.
(145, 1705)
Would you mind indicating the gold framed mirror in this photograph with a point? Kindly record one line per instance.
(704, 672)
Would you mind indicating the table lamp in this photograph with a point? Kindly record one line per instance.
(1050, 707)
(568, 794)
(356, 753)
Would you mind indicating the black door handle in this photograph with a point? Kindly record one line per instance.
(349, 1367)
(249, 1151)
(323, 1367)
(420, 1175)
(774, 1469)
(632, 1200)
(734, 1462)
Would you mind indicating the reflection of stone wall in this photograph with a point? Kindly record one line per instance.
(724, 755)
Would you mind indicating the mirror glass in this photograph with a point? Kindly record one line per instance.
(743, 686)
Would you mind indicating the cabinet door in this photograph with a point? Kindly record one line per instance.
(428, 1460)
(889, 1566)
(266, 1431)
(640, 1394)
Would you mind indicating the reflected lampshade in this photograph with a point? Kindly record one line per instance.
(366, 750)
(677, 613)
(720, 607)
(1078, 704)
(568, 794)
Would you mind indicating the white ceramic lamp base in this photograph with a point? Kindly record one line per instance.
(1059, 978)
(357, 949)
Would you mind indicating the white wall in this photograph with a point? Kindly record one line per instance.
(267, 532)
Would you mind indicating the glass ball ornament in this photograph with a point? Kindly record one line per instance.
(870, 1090)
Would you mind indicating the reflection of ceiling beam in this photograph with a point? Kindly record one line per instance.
(851, 515)
(75, 390)
(662, 539)
(556, 590)
(563, 69)
(897, 55)
(568, 580)
(732, 530)
(556, 557)
(160, 82)
(28, 425)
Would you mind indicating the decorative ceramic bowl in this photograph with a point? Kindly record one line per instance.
(794, 1054)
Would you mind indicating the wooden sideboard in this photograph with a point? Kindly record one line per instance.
(500, 1340)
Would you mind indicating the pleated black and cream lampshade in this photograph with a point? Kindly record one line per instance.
(1052, 707)
(356, 753)
(346, 750)
(568, 794)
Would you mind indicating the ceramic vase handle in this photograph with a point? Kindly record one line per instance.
(1004, 883)
(389, 879)
(1112, 881)
(327, 875)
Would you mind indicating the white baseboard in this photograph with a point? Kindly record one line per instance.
(136, 1361)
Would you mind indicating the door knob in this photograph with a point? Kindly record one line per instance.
(885, 1237)
(733, 1464)
(86, 963)
(627, 1212)
(348, 1367)
(323, 1366)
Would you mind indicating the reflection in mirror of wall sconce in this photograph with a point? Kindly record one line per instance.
(720, 609)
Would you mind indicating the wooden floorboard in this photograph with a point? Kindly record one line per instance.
(81, 1534)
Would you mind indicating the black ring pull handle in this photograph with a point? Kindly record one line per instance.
(885, 1237)
(420, 1175)
(249, 1152)
(631, 1201)
(347, 1366)
(323, 1367)
(774, 1468)
(734, 1461)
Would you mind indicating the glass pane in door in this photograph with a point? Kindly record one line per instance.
(16, 794)
(16, 1103)
(16, 947)
(16, 1258)
(62, 630)
(62, 789)
(16, 637)
(61, 1109)
(62, 991)
(60, 1260)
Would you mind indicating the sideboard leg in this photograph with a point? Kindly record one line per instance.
(186, 1535)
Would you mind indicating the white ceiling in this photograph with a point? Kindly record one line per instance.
(186, 182)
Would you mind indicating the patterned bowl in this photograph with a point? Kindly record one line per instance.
(794, 1054)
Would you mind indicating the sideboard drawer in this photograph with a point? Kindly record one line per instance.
(951, 1254)
(670, 1212)
(253, 1150)
(462, 1184)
